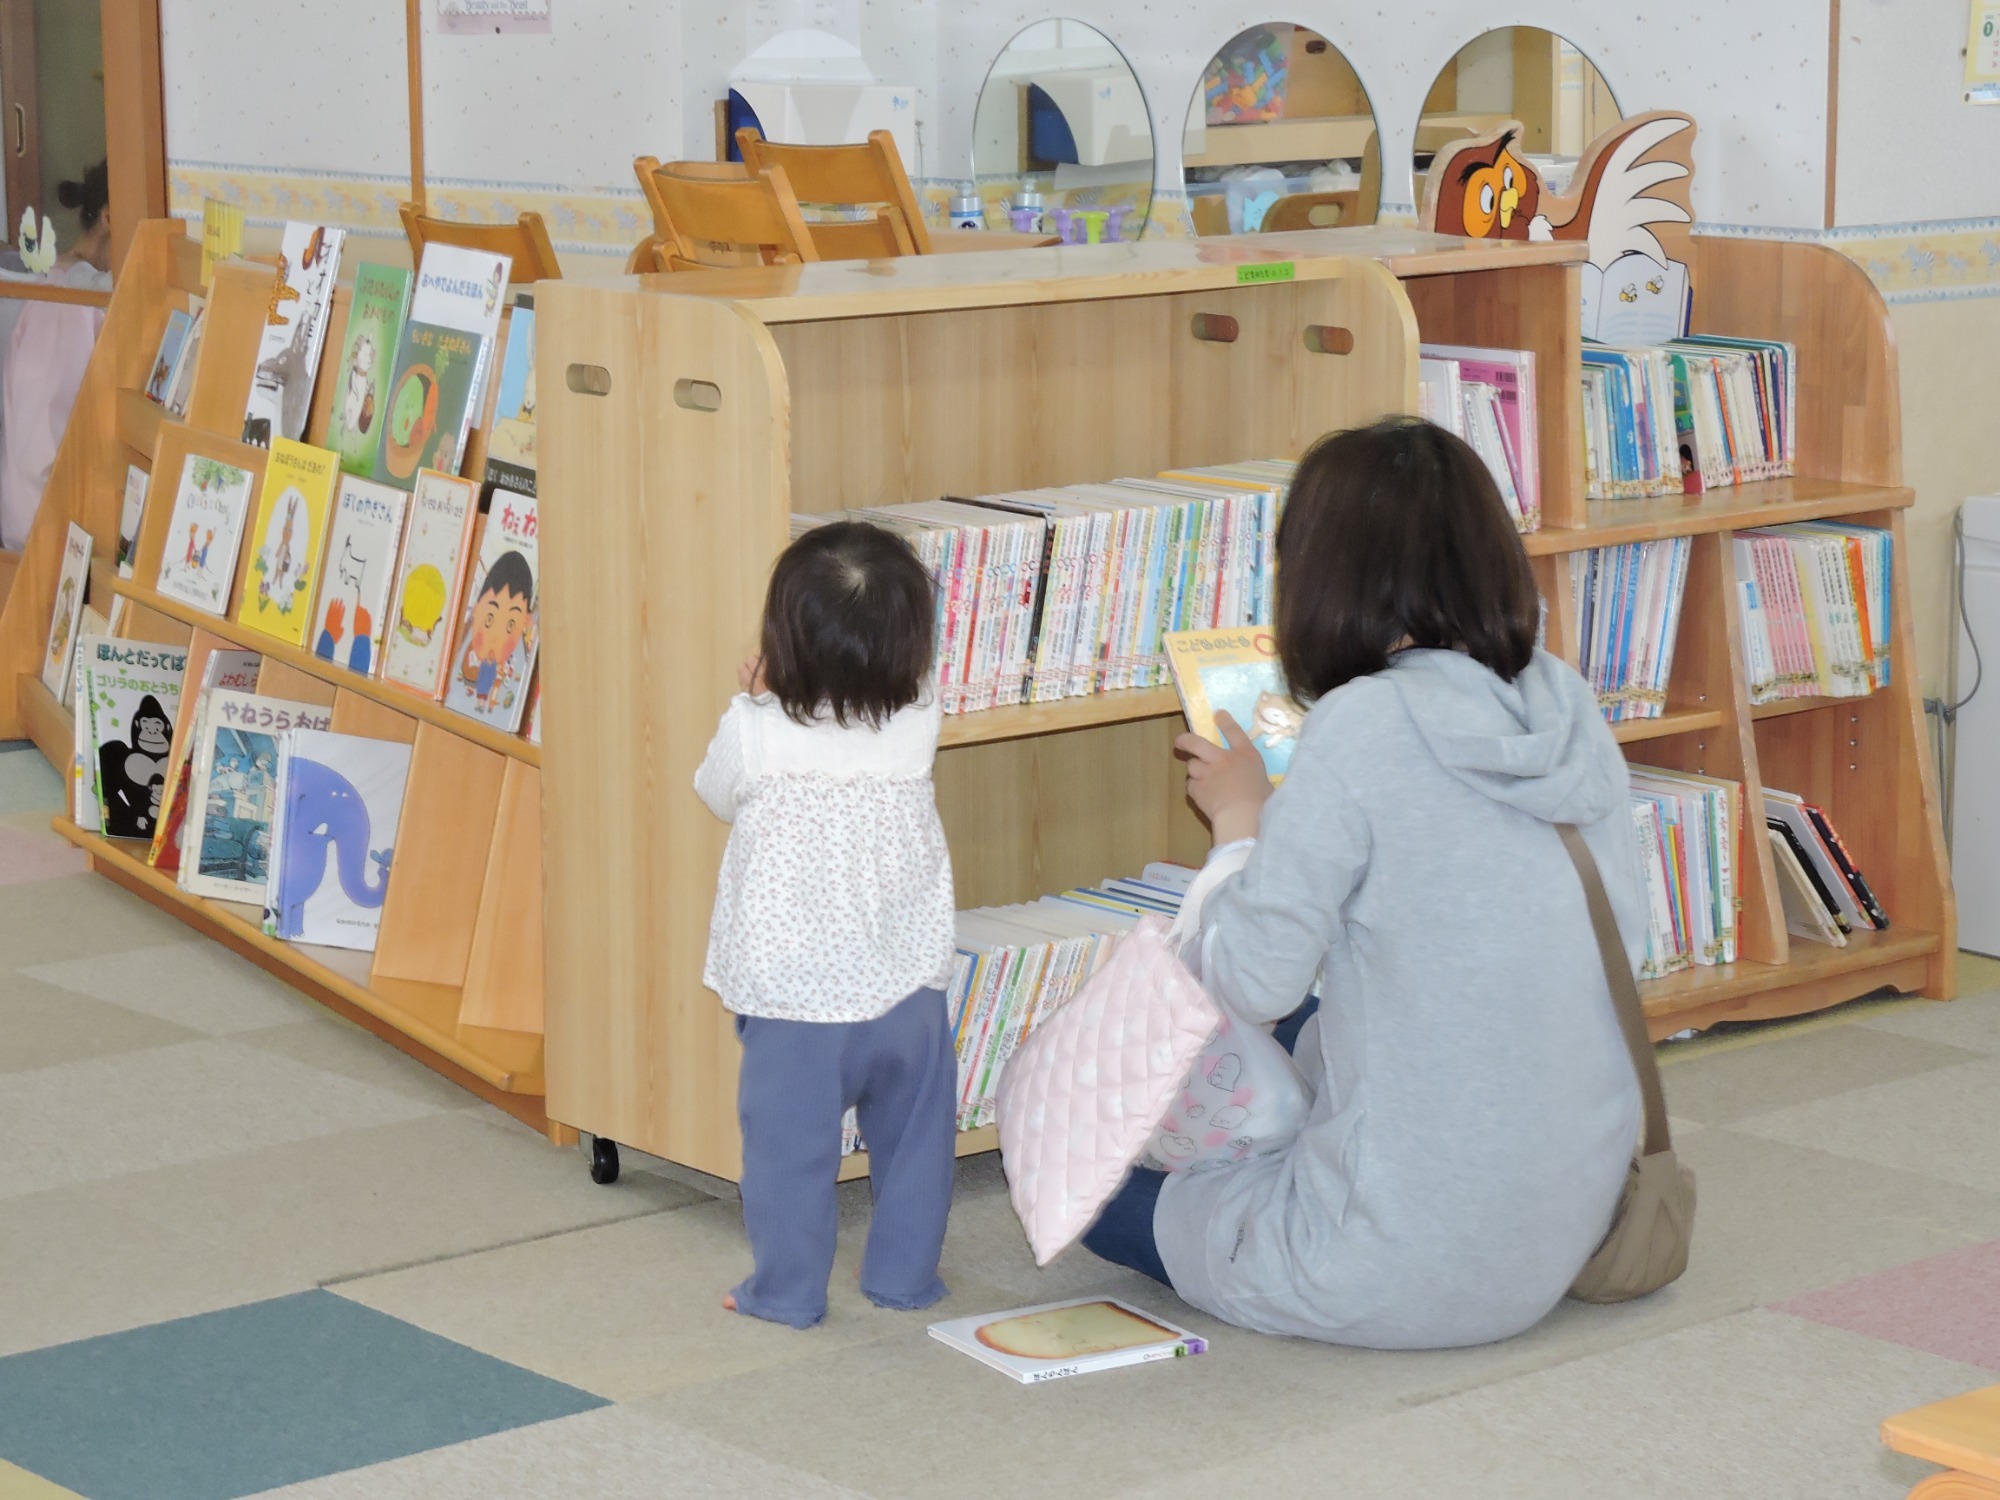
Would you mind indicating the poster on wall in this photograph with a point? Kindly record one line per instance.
(488, 17)
(1982, 53)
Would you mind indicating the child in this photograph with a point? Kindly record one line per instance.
(832, 934)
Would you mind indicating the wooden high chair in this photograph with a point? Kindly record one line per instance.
(526, 240)
(709, 222)
(846, 176)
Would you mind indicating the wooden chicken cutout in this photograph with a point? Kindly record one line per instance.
(1629, 201)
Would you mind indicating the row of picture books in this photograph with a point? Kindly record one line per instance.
(1628, 611)
(1816, 609)
(1487, 397)
(1699, 413)
(1056, 593)
(241, 796)
(413, 365)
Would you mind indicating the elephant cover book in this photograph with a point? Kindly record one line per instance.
(232, 793)
(340, 799)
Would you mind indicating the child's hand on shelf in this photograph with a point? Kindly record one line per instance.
(1227, 782)
(750, 675)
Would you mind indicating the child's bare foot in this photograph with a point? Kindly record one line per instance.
(729, 1302)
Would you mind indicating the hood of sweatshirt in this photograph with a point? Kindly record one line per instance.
(1538, 743)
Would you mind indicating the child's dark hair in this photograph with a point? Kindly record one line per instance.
(849, 622)
(1396, 533)
(89, 197)
(510, 574)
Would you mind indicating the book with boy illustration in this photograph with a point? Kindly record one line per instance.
(510, 444)
(281, 383)
(198, 566)
(131, 511)
(1059, 1339)
(207, 670)
(340, 799)
(1237, 671)
(360, 567)
(290, 524)
(130, 691)
(374, 326)
(429, 578)
(71, 585)
(160, 378)
(232, 792)
(494, 656)
(439, 371)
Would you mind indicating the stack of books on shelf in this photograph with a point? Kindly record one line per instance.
(1700, 413)
(1487, 397)
(1816, 609)
(1061, 593)
(1628, 611)
(1825, 895)
(1689, 830)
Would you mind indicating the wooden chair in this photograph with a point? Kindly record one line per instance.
(1311, 211)
(711, 222)
(527, 240)
(869, 173)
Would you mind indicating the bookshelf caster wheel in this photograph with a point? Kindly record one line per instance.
(603, 1161)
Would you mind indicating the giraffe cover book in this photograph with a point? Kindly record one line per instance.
(374, 326)
(291, 523)
(429, 579)
(360, 566)
(494, 657)
(340, 799)
(281, 386)
(198, 566)
(1237, 672)
(232, 793)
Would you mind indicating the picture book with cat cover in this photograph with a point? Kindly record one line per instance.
(58, 661)
(340, 799)
(160, 378)
(131, 511)
(291, 522)
(232, 792)
(198, 565)
(494, 655)
(510, 445)
(361, 547)
(439, 371)
(281, 383)
(1237, 671)
(131, 692)
(1059, 1339)
(374, 325)
(429, 578)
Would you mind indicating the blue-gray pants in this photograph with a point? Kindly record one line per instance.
(899, 1074)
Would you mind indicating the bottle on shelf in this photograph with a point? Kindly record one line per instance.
(967, 212)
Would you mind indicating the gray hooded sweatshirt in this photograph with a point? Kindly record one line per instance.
(1475, 1107)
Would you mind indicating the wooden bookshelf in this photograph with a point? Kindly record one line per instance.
(705, 408)
(456, 979)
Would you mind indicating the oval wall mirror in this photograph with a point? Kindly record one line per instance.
(1280, 135)
(1517, 73)
(1062, 143)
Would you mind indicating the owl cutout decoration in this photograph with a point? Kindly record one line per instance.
(1628, 201)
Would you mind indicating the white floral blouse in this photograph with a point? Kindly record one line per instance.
(834, 902)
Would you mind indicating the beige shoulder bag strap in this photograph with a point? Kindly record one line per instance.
(1647, 1244)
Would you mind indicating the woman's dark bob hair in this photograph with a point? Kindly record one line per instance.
(848, 625)
(1396, 534)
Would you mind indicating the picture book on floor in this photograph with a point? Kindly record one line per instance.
(72, 583)
(1237, 672)
(290, 525)
(198, 565)
(429, 577)
(208, 669)
(498, 630)
(340, 801)
(131, 691)
(441, 357)
(288, 352)
(1059, 1339)
(131, 511)
(232, 792)
(510, 445)
(180, 386)
(360, 567)
(161, 376)
(374, 326)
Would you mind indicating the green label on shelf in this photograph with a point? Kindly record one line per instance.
(1274, 270)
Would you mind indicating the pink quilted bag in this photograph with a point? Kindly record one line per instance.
(1081, 1096)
